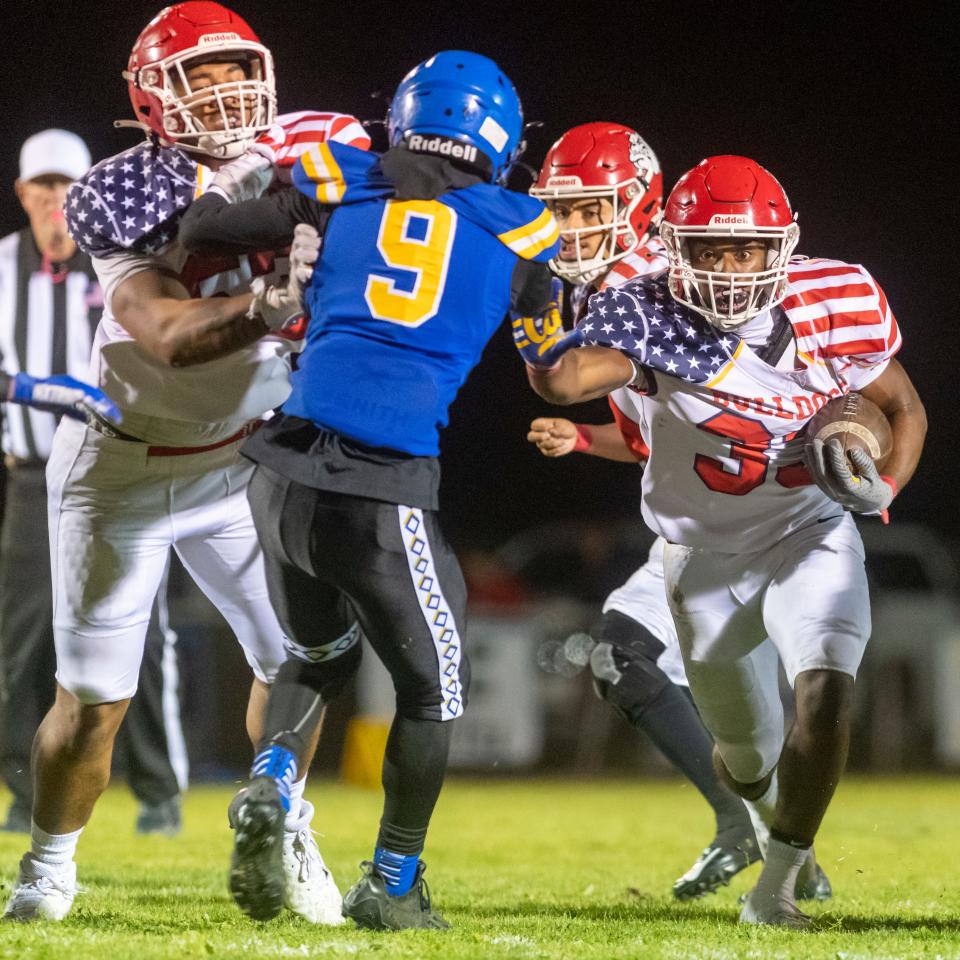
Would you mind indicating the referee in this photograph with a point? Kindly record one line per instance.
(50, 305)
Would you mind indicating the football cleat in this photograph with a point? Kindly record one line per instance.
(309, 890)
(163, 818)
(256, 865)
(812, 882)
(42, 892)
(715, 867)
(369, 905)
(774, 912)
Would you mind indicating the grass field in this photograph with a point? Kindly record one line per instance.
(523, 870)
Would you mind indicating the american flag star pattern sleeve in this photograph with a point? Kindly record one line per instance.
(131, 202)
(643, 321)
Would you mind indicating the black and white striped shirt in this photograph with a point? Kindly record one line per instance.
(48, 316)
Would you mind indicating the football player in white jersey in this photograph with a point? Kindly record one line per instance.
(730, 353)
(193, 359)
(605, 187)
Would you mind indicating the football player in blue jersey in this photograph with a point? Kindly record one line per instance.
(423, 254)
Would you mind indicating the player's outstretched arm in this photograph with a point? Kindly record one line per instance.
(560, 369)
(214, 225)
(557, 437)
(59, 394)
(582, 374)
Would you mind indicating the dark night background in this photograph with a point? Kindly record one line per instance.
(847, 104)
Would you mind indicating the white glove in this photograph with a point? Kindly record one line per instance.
(277, 306)
(246, 177)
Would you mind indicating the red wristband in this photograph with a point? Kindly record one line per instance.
(892, 484)
(584, 438)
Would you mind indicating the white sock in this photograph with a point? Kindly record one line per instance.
(761, 813)
(295, 813)
(54, 849)
(778, 878)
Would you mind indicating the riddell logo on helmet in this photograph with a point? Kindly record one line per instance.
(210, 38)
(561, 182)
(443, 146)
(729, 219)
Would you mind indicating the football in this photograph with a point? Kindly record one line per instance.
(857, 423)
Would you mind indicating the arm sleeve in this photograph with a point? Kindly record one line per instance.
(530, 288)
(212, 225)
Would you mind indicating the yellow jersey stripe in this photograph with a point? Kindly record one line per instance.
(727, 367)
(325, 172)
(527, 241)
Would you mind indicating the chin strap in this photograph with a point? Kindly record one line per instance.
(132, 124)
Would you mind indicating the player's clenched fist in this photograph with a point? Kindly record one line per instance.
(554, 436)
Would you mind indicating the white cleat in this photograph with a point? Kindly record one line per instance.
(42, 892)
(770, 911)
(309, 889)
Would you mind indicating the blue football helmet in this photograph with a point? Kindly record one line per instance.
(466, 97)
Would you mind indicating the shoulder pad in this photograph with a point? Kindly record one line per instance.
(131, 202)
(520, 222)
(334, 173)
(643, 321)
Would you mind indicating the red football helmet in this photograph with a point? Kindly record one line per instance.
(612, 162)
(730, 197)
(183, 36)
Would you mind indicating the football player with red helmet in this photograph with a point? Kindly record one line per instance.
(604, 185)
(193, 350)
(727, 355)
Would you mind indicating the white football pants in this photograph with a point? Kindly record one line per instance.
(807, 593)
(114, 513)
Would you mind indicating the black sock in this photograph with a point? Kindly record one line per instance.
(671, 721)
(413, 769)
(297, 697)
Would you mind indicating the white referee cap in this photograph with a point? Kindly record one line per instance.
(54, 152)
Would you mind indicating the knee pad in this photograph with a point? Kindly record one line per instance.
(326, 678)
(624, 665)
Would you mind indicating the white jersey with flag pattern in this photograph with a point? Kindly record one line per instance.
(125, 213)
(723, 425)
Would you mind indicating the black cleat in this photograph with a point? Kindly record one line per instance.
(715, 868)
(256, 815)
(812, 884)
(369, 905)
(164, 818)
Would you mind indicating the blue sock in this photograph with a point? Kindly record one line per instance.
(397, 869)
(280, 764)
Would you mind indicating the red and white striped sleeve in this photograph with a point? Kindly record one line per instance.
(294, 134)
(840, 315)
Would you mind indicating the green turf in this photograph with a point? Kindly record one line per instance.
(523, 870)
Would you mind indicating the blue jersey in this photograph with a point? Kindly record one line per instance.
(404, 298)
